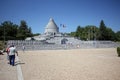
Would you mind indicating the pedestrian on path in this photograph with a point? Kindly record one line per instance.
(12, 51)
(23, 48)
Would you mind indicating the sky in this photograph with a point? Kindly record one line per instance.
(71, 13)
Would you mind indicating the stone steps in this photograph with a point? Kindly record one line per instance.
(37, 45)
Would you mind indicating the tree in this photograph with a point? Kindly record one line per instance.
(8, 30)
(103, 32)
(90, 32)
(78, 32)
(36, 34)
(1, 32)
(29, 32)
(110, 34)
(24, 31)
(73, 34)
(118, 35)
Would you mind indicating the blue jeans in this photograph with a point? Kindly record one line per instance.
(12, 60)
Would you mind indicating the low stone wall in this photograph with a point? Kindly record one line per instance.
(38, 45)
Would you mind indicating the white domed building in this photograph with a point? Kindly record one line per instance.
(51, 28)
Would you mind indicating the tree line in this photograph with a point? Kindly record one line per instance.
(92, 32)
(11, 31)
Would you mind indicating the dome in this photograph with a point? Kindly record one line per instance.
(51, 24)
(51, 27)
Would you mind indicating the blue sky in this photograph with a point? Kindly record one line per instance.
(69, 12)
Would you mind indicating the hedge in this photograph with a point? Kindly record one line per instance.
(118, 51)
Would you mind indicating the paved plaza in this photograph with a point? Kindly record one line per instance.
(7, 72)
(76, 64)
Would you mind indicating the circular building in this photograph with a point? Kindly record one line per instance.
(51, 28)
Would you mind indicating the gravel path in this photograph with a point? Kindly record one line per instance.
(77, 64)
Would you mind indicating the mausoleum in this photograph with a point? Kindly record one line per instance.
(51, 30)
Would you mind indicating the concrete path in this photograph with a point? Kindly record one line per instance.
(8, 72)
(19, 70)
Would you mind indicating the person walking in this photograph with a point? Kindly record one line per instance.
(12, 51)
(23, 48)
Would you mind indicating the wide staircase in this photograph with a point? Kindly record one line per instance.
(55, 44)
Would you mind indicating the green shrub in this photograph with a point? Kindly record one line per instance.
(118, 51)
